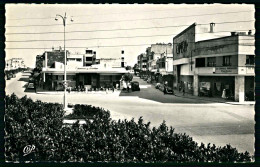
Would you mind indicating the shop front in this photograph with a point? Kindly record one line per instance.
(54, 82)
(217, 86)
(186, 82)
(249, 88)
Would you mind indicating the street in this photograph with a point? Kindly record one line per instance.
(207, 122)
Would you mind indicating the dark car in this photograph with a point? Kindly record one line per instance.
(31, 84)
(135, 86)
(9, 76)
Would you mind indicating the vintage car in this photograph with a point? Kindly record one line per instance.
(135, 86)
(9, 76)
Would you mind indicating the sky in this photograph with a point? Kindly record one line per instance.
(110, 28)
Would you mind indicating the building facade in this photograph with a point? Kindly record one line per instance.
(183, 66)
(142, 62)
(14, 63)
(226, 65)
(105, 73)
(218, 67)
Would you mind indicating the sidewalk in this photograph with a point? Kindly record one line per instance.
(213, 99)
(41, 91)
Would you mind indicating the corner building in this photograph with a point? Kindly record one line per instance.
(226, 63)
(205, 64)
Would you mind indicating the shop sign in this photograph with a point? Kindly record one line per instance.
(229, 70)
(181, 47)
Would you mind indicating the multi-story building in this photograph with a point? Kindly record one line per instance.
(14, 63)
(89, 58)
(159, 61)
(210, 65)
(226, 63)
(142, 62)
(101, 73)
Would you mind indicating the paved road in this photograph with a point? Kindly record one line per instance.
(216, 123)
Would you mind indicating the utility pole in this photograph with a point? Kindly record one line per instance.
(65, 104)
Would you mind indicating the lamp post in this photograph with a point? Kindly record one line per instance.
(65, 61)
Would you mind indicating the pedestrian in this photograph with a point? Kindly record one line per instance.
(183, 90)
(224, 94)
(127, 87)
(165, 87)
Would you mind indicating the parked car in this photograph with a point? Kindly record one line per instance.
(161, 87)
(135, 86)
(169, 90)
(31, 86)
(157, 85)
(8, 76)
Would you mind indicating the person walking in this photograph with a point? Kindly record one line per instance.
(165, 87)
(224, 94)
(183, 90)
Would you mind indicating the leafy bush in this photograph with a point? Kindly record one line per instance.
(88, 111)
(102, 139)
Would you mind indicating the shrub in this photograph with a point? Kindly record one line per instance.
(88, 111)
(102, 139)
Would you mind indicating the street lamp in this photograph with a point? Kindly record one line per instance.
(65, 60)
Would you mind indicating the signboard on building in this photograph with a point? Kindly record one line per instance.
(226, 70)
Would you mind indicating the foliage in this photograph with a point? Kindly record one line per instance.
(127, 77)
(87, 111)
(102, 139)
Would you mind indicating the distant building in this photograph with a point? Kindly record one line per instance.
(159, 62)
(142, 62)
(14, 63)
(83, 70)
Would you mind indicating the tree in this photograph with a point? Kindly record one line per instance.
(127, 77)
(128, 68)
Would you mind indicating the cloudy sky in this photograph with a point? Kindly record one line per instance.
(108, 29)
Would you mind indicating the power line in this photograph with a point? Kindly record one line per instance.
(86, 39)
(113, 13)
(123, 46)
(137, 28)
(159, 18)
(135, 19)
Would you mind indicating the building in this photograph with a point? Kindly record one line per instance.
(80, 72)
(226, 63)
(142, 62)
(159, 62)
(14, 63)
(207, 65)
(89, 57)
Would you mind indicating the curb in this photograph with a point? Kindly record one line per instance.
(231, 103)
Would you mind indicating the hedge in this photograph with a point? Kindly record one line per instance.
(87, 111)
(99, 140)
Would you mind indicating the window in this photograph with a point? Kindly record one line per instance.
(211, 61)
(89, 52)
(250, 59)
(226, 61)
(163, 65)
(88, 58)
(200, 62)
